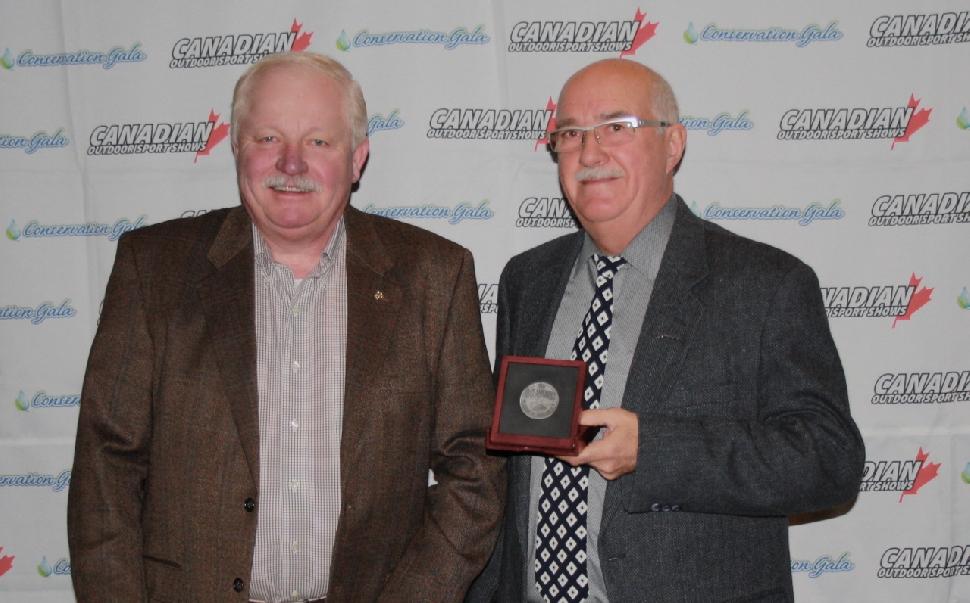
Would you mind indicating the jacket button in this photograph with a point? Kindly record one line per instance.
(237, 585)
(249, 505)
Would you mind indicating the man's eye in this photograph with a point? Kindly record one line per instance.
(617, 127)
(569, 134)
(318, 142)
(268, 138)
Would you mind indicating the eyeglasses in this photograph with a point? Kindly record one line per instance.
(610, 133)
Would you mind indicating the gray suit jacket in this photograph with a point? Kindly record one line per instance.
(743, 419)
(165, 495)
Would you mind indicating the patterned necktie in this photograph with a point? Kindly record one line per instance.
(560, 565)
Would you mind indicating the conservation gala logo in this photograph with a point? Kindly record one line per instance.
(61, 567)
(822, 565)
(800, 37)
(36, 230)
(722, 122)
(450, 40)
(899, 302)
(105, 58)
(920, 29)
(915, 209)
(906, 476)
(42, 399)
(855, 123)
(622, 36)
(198, 137)
(237, 48)
(35, 142)
(922, 388)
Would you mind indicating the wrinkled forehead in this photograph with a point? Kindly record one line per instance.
(596, 95)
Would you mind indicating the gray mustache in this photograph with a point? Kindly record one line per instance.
(300, 183)
(597, 173)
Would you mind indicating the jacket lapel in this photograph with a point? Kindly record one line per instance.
(227, 298)
(542, 292)
(671, 318)
(373, 305)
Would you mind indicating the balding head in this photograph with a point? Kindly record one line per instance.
(639, 77)
(616, 185)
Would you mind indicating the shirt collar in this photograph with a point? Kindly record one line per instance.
(264, 259)
(646, 249)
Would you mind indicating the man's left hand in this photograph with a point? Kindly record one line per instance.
(615, 454)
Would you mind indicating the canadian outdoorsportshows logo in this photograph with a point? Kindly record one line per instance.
(913, 209)
(545, 212)
(906, 476)
(237, 48)
(6, 562)
(919, 29)
(623, 36)
(488, 298)
(483, 123)
(198, 137)
(938, 387)
(855, 123)
(924, 562)
(898, 302)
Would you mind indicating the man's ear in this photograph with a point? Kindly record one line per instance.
(360, 156)
(675, 140)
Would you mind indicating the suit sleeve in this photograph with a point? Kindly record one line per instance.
(799, 451)
(111, 450)
(464, 508)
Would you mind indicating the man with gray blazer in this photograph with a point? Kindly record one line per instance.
(712, 373)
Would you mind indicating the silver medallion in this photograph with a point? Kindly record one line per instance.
(539, 400)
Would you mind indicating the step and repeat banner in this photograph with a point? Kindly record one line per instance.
(839, 132)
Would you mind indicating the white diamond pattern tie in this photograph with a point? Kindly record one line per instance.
(560, 565)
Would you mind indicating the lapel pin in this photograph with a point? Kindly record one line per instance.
(378, 295)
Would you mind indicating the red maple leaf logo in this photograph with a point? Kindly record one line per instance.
(926, 473)
(647, 30)
(303, 40)
(6, 563)
(918, 120)
(550, 106)
(215, 137)
(920, 298)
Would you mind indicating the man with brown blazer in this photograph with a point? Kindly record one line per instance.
(270, 385)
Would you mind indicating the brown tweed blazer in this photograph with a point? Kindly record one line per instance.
(164, 497)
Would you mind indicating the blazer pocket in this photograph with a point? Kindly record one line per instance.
(715, 400)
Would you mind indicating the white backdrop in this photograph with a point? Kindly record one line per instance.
(839, 132)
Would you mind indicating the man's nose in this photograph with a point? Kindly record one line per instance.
(291, 161)
(590, 151)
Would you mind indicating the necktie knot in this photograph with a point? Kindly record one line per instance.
(607, 265)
